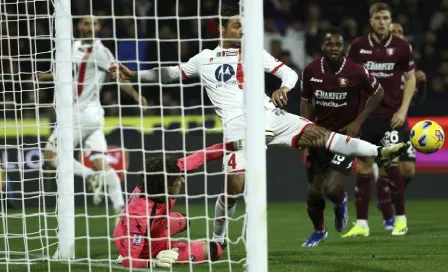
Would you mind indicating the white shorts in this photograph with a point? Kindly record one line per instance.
(87, 133)
(287, 128)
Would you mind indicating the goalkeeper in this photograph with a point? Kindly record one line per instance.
(142, 234)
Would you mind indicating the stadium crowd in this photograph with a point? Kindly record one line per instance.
(147, 34)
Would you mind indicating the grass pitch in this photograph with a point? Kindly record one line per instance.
(425, 248)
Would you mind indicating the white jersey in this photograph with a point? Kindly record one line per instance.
(91, 62)
(221, 73)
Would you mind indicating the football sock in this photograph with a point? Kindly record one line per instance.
(384, 197)
(114, 188)
(221, 211)
(315, 209)
(346, 146)
(362, 196)
(394, 176)
(81, 170)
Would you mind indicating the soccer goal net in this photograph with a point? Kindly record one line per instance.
(75, 141)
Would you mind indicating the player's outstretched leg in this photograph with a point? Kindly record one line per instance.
(315, 136)
(315, 209)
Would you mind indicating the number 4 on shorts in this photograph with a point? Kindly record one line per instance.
(232, 161)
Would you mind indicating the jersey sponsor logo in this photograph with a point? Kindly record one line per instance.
(375, 66)
(343, 82)
(365, 52)
(316, 80)
(137, 240)
(390, 51)
(224, 72)
(331, 104)
(319, 94)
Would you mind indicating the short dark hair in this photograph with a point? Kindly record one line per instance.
(228, 11)
(380, 6)
(152, 181)
(332, 30)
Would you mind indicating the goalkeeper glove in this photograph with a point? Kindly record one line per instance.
(165, 258)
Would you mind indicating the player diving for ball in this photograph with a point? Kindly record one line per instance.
(91, 60)
(388, 58)
(332, 86)
(221, 72)
(142, 236)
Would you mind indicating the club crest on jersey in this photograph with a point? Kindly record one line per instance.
(390, 51)
(343, 82)
(137, 240)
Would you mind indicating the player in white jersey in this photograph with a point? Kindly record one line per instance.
(222, 75)
(91, 60)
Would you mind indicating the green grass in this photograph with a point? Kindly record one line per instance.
(424, 248)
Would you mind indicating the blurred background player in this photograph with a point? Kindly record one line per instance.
(388, 58)
(331, 92)
(407, 160)
(146, 217)
(221, 73)
(91, 61)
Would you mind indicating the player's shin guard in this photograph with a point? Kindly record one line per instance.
(114, 189)
(315, 208)
(220, 225)
(346, 146)
(395, 177)
(362, 196)
(383, 192)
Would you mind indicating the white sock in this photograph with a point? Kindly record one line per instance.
(401, 217)
(376, 172)
(362, 223)
(81, 170)
(350, 147)
(114, 189)
(220, 225)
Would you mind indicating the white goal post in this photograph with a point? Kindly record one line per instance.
(45, 213)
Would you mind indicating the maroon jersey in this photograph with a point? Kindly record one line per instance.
(387, 61)
(337, 95)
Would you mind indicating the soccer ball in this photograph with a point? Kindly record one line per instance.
(427, 136)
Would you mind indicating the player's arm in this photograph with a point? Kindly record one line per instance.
(288, 76)
(420, 91)
(406, 64)
(126, 86)
(165, 74)
(306, 104)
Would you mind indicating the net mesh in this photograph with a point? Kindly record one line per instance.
(173, 119)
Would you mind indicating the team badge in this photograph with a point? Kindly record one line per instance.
(390, 51)
(343, 82)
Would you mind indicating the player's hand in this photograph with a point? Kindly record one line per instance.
(121, 72)
(280, 97)
(420, 76)
(398, 119)
(165, 258)
(352, 129)
(141, 100)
